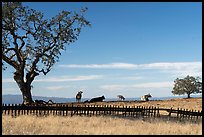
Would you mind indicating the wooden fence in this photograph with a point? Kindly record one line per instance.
(97, 110)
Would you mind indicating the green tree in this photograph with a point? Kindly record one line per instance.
(32, 44)
(188, 85)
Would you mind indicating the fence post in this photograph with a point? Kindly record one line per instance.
(60, 110)
(104, 109)
(56, 109)
(133, 113)
(109, 109)
(66, 109)
(183, 113)
(170, 110)
(5, 109)
(125, 111)
(10, 110)
(45, 110)
(191, 116)
(63, 109)
(83, 110)
(117, 110)
(15, 110)
(136, 111)
(155, 111)
(24, 109)
(88, 111)
(158, 114)
(93, 109)
(149, 111)
(30, 109)
(37, 108)
(197, 115)
(177, 114)
(129, 111)
(201, 113)
(49, 108)
(187, 114)
(114, 108)
(96, 109)
(180, 113)
(53, 110)
(142, 111)
(19, 109)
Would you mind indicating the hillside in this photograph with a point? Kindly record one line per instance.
(184, 103)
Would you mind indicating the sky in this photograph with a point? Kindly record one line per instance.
(132, 49)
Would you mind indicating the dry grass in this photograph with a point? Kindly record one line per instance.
(56, 125)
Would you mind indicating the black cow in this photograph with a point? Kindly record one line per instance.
(40, 101)
(78, 96)
(97, 99)
(121, 97)
(86, 101)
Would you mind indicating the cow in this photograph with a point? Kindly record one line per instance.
(50, 102)
(40, 102)
(78, 96)
(86, 101)
(121, 97)
(97, 99)
(146, 97)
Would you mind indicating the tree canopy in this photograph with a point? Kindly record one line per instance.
(32, 44)
(188, 85)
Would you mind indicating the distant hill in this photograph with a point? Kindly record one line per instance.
(17, 99)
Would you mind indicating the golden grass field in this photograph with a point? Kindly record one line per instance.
(184, 103)
(83, 125)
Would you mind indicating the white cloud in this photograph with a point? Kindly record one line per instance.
(9, 90)
(142, 85)
(131, 77)
(7, 80)
(161, 65)
(154, 85)
(59, 78)
(102, 66)
(57, 87)
(69, 78)
(177, 68)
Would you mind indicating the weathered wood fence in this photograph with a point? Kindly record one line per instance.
(97, 110)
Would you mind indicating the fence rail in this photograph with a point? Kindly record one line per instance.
(96, 110)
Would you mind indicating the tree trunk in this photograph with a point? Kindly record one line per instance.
(188, 95)
(27, 97)
(24, 87)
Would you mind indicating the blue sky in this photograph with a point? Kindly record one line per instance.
(132, 49)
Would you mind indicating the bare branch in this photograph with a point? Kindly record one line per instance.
(10, 62)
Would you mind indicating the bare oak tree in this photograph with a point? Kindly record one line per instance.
(188, 85)
(32, 44)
